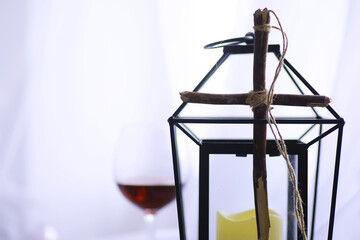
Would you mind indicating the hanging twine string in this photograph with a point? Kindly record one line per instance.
(258, 98)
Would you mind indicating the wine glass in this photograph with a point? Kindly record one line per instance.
(143, 169)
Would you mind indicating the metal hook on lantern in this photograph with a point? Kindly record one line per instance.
(248, 39)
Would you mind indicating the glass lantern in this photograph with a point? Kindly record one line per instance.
(221, 144)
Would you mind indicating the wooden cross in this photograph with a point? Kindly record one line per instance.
(261, 18)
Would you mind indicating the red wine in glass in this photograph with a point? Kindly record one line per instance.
(148, 196)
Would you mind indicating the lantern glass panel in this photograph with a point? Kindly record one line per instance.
(231, 189)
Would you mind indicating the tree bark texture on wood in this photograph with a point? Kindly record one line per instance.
(241, 99)
(259, 131)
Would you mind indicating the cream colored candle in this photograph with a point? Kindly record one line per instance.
(243, 226)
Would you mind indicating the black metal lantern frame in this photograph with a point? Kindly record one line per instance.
(244, 146)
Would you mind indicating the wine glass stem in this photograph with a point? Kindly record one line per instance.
(150, 225)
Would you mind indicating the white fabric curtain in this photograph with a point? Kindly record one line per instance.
(73, 73)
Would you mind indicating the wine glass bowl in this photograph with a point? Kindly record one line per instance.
(143, 169)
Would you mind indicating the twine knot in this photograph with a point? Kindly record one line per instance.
(258, 98)
(263, 27)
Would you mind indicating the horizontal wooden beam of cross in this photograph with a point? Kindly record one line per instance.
(242, 99)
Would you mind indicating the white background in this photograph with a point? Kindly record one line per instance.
(72, 73)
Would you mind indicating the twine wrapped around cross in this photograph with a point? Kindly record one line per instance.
(261, 99)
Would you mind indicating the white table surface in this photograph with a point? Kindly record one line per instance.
(162, 234)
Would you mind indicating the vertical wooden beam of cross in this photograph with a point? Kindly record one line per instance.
(260, 109)
(261, 18)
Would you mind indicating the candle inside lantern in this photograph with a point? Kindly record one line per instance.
(243, 226)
